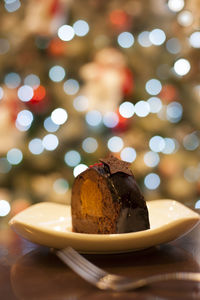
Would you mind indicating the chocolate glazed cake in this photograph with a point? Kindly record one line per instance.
(106, 199)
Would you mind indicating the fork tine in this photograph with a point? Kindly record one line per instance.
(76, 268)
(79, 259)
(80, 265)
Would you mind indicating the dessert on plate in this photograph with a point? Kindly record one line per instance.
(106, 199)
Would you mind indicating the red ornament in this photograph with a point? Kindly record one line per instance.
(39, 94)
(119, 19)
(168, 93)
(128, 82)
(56, 47)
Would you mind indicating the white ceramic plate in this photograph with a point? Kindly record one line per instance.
(49, 224)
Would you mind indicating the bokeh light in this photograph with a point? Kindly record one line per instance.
(115, 144)
(50, 126)
(32, 80)
(61, 186)
(4, 208)
(110, 119)
(57, 73)
(125, 39)
(66, 33)
(176, 5)
(93, 118)
(194, 39)
(151, 159)
(182, 66)
(128, 154)
(5, 166)
(81, 103)
(174, 112)
(59, 116)
(157, 37)
(185, 18)
(155, 104)
(1, 93)
(14, 156)
(79, 169)
(170, 146)
(143, 39)
(191, 142)
(81, 28)
(71, 87)
(157, 143)
(153, 86)
(36, 146)
(24, 120)
(12, 80)
(142, 109)
(90, 145)
(197, 204)
(12, 5)
(72, 158)
(126, 109)
(25, 93)
(173, 46)
(50, 142)
(152, 181)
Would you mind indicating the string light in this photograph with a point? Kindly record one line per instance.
(194, 39)
(153, 86)
(185, 18)
(12, 80)
(142, 109)
(176, 5)
(157, 143)
(79, 169)
(151, 159)
(152, 181)
(60, 186)
(50, 126)
(14, 156)
(25, 93)
(57, 73)
(128, 154)
(50, 142)
(173, 46)
(5, 166)
(81, 103)
(81, 28)
(72, 158)
(59, 116)
(125, 39)
(12, 6)
(1, 93)
(32, 80)
(115, 144)
(157, 37)
(126, 109)
(4, 208)
(191, 142)
(182, 66)
(174, 112)
(71, 87)
(90, 145)
(36, 146)
(143, 39)
(93, 118)
(66, 33)
(155, 104)
(110, 119)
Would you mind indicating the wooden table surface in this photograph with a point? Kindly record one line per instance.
(29, 271)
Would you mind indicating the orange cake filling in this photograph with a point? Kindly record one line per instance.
(91, 199)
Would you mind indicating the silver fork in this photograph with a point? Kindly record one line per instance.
(105, 281)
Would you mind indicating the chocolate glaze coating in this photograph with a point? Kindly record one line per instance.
(125, 190)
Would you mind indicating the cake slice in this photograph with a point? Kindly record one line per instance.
(106, 199)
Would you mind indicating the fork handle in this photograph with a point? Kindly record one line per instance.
(187, 276)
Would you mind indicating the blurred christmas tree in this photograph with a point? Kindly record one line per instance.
(82, 79)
